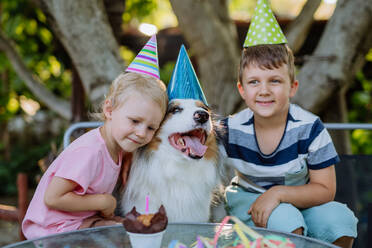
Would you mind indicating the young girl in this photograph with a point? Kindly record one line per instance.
(75, 191)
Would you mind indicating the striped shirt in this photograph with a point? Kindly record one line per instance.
(305, 144)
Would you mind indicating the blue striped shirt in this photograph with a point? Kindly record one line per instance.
(305, 144)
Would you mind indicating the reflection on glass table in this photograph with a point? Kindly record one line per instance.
(115, 237)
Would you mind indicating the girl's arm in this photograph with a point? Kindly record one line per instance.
(59, 195)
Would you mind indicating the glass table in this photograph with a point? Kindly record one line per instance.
(116, 236)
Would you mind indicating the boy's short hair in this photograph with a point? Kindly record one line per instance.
(268, 56)
(128, 83)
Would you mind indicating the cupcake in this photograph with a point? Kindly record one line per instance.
(145, 230)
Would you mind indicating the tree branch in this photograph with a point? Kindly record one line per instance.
(297, 31)
(346, 38)
(60, 106)
(115, 10)
(212, 37)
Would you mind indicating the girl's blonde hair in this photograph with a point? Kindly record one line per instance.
(128, 83)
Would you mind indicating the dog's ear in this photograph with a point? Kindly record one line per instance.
(220, 127)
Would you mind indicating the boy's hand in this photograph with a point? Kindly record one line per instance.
(108, 205)
(261, 209)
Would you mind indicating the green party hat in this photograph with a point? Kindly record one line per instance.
(264, 29)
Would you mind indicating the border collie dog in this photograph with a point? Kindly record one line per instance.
(179, 167)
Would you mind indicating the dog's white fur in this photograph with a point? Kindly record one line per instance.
(169, 177)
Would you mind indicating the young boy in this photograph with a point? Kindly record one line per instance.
(283, 155)
(76, 190)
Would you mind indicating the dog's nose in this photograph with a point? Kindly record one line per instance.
(201, 116)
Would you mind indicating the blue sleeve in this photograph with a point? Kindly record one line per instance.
(321, 151)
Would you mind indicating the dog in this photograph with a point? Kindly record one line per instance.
(179, 168)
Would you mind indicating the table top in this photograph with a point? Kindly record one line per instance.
(116, 237)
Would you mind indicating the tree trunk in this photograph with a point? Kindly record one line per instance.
(212, 37)
(337, 112)
(5, 137)
(115, 10)
(77, 98)
(339, 54)
(84, 30)
(345, 171)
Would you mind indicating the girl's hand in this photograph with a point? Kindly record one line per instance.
(262, 208)
(109, 205)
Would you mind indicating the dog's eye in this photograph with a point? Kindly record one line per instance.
(175, 110)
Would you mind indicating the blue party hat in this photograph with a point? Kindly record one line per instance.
(184, 83)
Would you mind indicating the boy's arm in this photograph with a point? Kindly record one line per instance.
(320, 189)
(59, 195)
(322, 185)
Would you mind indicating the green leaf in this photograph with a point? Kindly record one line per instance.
(45, 35)
(13, 105)
(369, 55)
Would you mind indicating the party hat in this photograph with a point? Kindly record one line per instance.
(264, 29)
(146, 62)
(184, 83)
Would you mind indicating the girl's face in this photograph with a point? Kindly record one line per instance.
(133, 123)
(267, 92)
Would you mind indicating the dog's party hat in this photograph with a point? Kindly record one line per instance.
(264, 29)
(146, 62)
(184, 83)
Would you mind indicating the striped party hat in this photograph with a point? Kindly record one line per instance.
(146, 62)
(264, 28)
(184, 83)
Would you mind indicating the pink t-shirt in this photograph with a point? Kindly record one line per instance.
(87, 162)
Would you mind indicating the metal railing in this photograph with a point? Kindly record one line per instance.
(348, 126)
(78, 125)
(94, 124)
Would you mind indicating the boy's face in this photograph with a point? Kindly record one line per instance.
(266, 92)
(133, 123)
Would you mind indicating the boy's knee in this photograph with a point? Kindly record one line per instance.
(331, 221)
(331, 213)
(238, 203)
(286, 218)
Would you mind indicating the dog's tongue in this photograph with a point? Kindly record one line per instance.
(195, 146)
